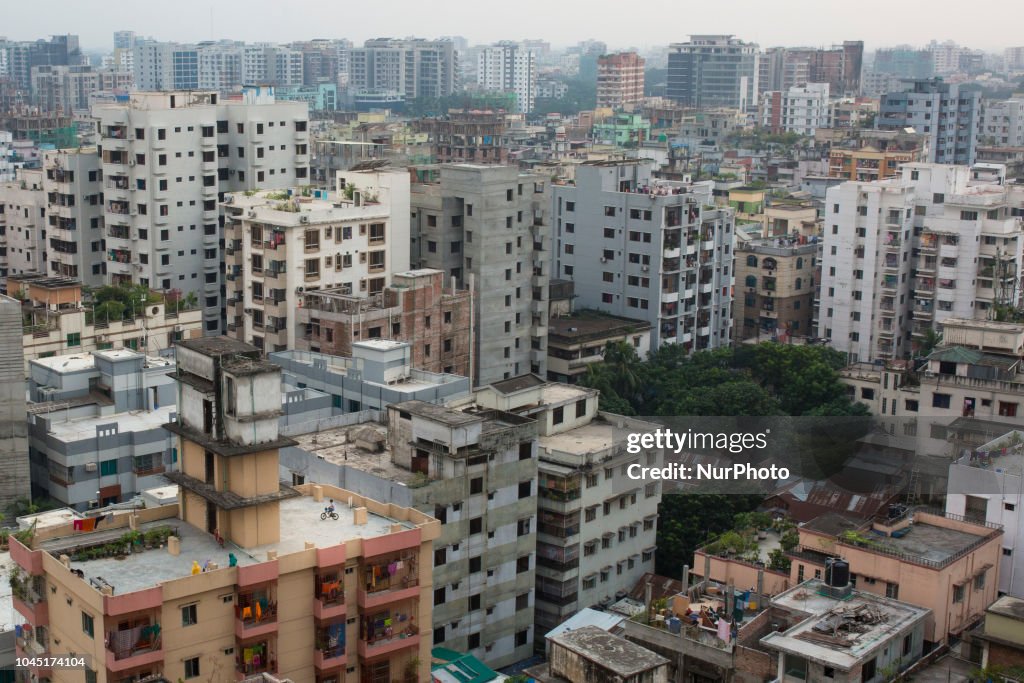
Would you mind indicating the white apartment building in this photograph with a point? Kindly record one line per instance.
(596, 527)
(167, 158)
(411, 67)
(802, 109)
(1002, 124)
(644, 248)
(987, 482)
(22, 222)
(73, 186)
(164, 66)
(279, 244)
(507, 67)
(958, 228)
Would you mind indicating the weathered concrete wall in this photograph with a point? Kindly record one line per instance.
(14, 467)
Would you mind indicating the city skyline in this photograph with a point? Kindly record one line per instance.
(907, 23)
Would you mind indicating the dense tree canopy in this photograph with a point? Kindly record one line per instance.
(762, 380)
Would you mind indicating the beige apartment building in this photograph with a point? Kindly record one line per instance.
(242, 577)
(279, 244)
(931, 559)
(776, 275)
(56, 321)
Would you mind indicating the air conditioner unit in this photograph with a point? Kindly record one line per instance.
(101, 337)
(131, 162)
(90, 467)
(252, 214)
(604, 260)
(178, 328)
(304, 219)
(247, 311)
(300, 289)
(645, 268)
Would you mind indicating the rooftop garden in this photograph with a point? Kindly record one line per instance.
(750, 536)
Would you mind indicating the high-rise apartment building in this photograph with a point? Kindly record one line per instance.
(776, 285)
(713, 71)
(1013, 58)
(278, 244)
(72, 183)
(905, 62)
(23, 222)
(508, 67)
(481, 472)
(948, 116)
(487, 227)
(839, 66)
(165, 66)
(620, 80)
(595, 527)
(960, 235)
(63, 89)
(947, 56)
(411, 68)
(167, 157)
(14, 461)
(1002, 123)
(641, 248)
(802, 109)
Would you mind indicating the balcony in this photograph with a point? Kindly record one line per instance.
(254, 658)
(255, 615)
(375, 647)
(131, 647)
(889, 282)
(330, 646)
(388, 581)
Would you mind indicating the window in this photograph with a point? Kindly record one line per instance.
(474, 638)
(192, 668)
(87, 624)
(523, 564)
(869, 670)
(189, 616)
(940, 400)
(475, 564)
(958, 593)
(525, 488)
(108, 467)
(474, 602)
(439, 595)
(557, 415)
(892, 590)
(979, 580)
(522, 636)
(74, 339)
(581, 407)
(796, 667)
(476, 525)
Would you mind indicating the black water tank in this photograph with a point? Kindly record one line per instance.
(839, 576)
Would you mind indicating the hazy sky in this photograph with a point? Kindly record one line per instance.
(878, 23)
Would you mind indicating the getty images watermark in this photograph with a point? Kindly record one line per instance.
(670, 441)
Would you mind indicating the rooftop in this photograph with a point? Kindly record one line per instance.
(338, 447)
(926, 542)
(300, 516)
(597, 437)
(1008, 606)
(841, 632)
(218, 346)
(608, 651)
(591, 326)
(83, 428)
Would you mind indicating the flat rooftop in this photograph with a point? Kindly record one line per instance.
(82, 428)
(583, 327)
(300, 522)
(1008, 606)
(337, 446)
(928, 542)
(609, 651)
(597, 437)
(841, 632)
